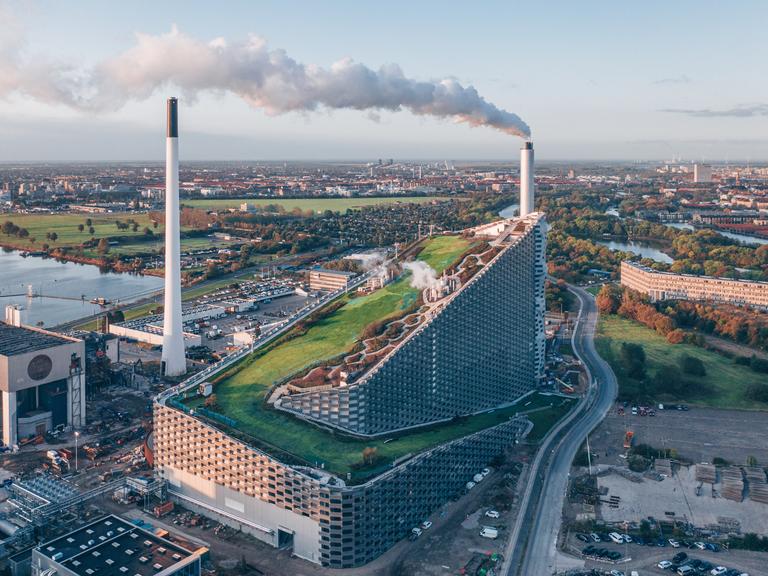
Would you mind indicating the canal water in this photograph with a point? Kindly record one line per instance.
(743, 238)
(64, 279)
(644, 249)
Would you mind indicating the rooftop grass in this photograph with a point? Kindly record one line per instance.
(241, 391)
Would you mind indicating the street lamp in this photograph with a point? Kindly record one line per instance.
(77, 435)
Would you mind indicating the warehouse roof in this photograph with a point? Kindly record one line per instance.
(113, 546)
(20, 340)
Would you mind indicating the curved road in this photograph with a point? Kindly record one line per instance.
(532, 549)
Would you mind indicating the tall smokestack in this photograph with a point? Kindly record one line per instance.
(526, 179)
(174, 362)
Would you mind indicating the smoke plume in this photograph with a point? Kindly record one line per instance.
(266, 78)
(423, 275)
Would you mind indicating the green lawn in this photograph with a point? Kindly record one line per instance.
(241, 391)
(342, 454)
(65, 225)
(723, 386)
(304, 204)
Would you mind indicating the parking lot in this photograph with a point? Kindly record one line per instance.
(645, 558)
(698, 435)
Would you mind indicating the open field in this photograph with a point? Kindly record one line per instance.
(65, 226)
(305, 204)
(723, 386)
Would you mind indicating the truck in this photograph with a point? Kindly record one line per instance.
(489, 532)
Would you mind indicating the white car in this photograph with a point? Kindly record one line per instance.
(674, 543)
(426, 525)
(700, 545)
(486, 471)
(492, 513)
(416, 532)
(627, 538)
(718, 570)
(470, 485)
(664, 564)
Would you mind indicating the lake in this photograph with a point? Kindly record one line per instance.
(51, 278)
(644, 249)
(743, 238)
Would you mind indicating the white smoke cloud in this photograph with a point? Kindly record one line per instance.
(265, 78)
(370, 260)
(423, 275)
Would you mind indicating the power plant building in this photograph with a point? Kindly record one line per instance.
(479, 350)
(42, 380)
(482, 347)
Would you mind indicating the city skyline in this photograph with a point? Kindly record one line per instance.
(698, 101)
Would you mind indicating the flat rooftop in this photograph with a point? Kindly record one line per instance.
(20, 340)
(112, 546)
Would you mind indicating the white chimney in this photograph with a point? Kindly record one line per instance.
(526, 179)
(174, 362)
(12, 315)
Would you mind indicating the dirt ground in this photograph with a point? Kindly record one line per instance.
(699, 435)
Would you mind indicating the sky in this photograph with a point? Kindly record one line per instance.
(594, 80)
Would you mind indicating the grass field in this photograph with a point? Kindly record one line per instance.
(723, 386)
(241, 392)
(65, 226)
(304, 204)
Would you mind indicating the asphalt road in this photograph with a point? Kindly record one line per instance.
(532, 549)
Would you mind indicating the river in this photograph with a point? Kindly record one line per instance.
(64, 279)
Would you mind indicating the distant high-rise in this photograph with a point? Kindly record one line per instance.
(702, 173)
(174, 362)
(526, 179)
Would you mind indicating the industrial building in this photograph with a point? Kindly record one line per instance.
(329, 280)
(501, 306)
(42, 380)
(669, 286)
(113, 546)
(476, 349)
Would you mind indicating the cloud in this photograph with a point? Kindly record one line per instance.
(268, 79)
(741, 111)
(681, 79)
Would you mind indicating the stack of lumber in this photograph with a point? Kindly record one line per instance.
(706, 473)
(758, 488)
(733, 483)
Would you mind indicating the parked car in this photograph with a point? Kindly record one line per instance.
(582, 537)
(718, 570)
(495, 514)
(680, 557)
(595, 537)
(426, 525)
(700, 545)
(664, 564)
(416, 532)
(674, 543)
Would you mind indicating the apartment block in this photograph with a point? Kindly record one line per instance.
(668, 286)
